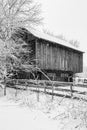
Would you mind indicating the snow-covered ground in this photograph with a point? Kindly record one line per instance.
(13, 117)
(24, 112)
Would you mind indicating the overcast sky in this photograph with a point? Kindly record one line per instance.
(67, 17)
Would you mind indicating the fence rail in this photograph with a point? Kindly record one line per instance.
(53, 87)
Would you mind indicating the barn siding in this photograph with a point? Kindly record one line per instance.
(54, 57)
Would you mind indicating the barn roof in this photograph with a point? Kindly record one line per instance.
(47, 37)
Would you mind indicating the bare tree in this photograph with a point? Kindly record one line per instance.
(13, 15)
(17, 13)
(61, 36)
(74, 43)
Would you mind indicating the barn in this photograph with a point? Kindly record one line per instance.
(55, 57)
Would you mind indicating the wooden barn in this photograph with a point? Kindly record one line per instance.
(57, 58)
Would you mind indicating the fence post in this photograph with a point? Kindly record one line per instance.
(71, 90)
(52, 91)
(4, 86)
(5, 90)
(37, 91)
(26, 84)
(44, 87)
(16, 88)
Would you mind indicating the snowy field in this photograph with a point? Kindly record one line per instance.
(24, 112)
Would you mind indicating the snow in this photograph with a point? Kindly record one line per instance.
(47, 37)
(24, 112)
(13, 117)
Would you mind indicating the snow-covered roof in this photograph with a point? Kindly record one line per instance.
(53, 39)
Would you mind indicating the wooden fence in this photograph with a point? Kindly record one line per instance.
(64, 89)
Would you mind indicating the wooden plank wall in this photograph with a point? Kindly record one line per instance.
(53, 57)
